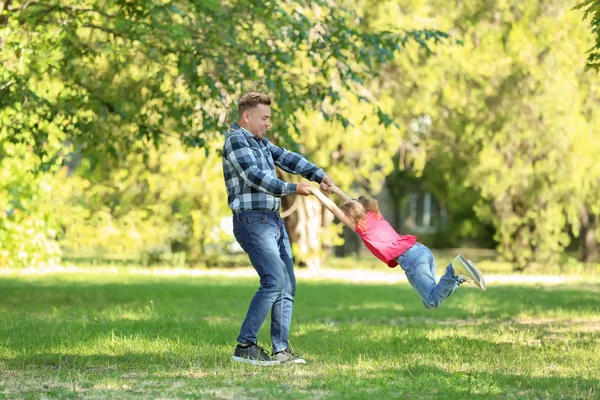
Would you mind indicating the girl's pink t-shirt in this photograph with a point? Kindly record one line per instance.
(382, 240)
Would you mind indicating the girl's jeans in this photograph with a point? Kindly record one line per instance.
(419, 265)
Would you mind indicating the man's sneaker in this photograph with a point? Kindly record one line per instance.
(253, 354)
(287, 356)
(465, 270)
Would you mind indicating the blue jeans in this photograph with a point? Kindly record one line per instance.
(263, 236)
(419, 265)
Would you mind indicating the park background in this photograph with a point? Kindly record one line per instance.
(474, 123)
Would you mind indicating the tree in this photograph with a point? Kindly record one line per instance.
(105, 77)
(589, 211)
(591, 8)
(156, 68)
(496, 125)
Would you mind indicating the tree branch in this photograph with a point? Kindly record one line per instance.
(109, 106)
(107, 30)
(6, 85)
(4, 6)
(78, 10)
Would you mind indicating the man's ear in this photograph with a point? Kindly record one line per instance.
(246, 116)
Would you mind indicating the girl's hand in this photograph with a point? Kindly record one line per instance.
(326, 185)
(312, 189)
(304, 188)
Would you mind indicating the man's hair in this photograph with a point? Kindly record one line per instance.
(251, 100)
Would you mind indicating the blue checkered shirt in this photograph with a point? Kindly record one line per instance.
(249, 171)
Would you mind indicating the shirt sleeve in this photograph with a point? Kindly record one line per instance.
(238, 153)
(295, 163)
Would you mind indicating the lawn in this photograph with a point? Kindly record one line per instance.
(129, 335)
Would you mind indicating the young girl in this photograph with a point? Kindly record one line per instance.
(362, 216)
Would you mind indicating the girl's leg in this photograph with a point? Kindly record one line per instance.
(416, 263)
(419, 265)
(445, 287)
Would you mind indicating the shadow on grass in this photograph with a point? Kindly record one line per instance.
(419, 381)
(167, 325)
(502, 302)
(147, 373)
(415, 381)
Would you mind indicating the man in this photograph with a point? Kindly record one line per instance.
(254, 195)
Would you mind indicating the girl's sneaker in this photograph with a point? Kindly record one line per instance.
(466, 271)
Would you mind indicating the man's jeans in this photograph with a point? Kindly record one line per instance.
(263, 236)
(419, 265)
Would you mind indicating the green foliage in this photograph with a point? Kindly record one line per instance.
(166, 200)
(359, 155)
(462, 228)
(28, 188)
(591, 9)
(496, 126)
(116, 79)
(108, 90)
(147, 68)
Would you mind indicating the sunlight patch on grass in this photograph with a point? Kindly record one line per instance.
(6, 353)
(121, 312)
(303, 329)
(376, 306)
(564, 314)
(120, 345)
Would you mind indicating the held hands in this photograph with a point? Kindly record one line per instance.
(304, 188)
(307, 188)
(327, 185)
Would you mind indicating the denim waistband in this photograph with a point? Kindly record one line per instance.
(412, 248)
(267, 213)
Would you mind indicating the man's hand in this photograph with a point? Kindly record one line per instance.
(304, 188)
(326, 185)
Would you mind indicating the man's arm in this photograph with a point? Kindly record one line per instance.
(331, 206)
(238, 153)
(296, 164)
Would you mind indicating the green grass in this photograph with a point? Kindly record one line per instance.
(126, 335)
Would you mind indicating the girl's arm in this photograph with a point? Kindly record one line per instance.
(339, 192)
(331, 206)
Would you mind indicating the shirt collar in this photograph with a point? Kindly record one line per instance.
(235, 127)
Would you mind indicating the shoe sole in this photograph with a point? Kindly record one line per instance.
(255, 362)
(473, 271)
(296, 361)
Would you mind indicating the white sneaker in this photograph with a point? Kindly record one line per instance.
(288, 356)
(467, 271)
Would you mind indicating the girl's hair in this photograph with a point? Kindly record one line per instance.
(357, 209)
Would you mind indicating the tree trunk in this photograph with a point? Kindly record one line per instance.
(304, 225)
(589, 242)
(306, 222)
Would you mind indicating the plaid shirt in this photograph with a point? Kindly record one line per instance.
(249, 171)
